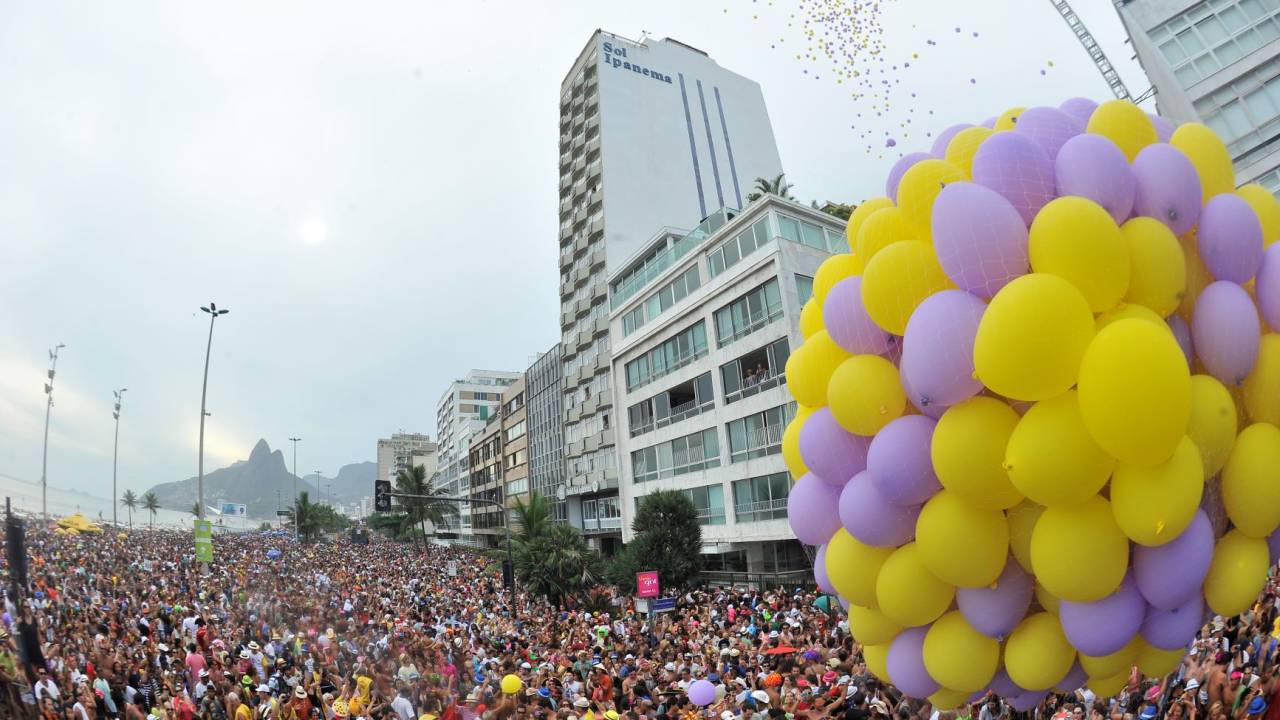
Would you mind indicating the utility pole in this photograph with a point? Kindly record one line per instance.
(115, 454)
(44, 462)
(295, 441)
(213, 313)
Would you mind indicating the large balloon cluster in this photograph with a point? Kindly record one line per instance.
(1038, 440)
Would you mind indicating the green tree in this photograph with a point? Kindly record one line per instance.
(551, 559)
(778, 186)
(151, 504)
(129, 500)
(306, 516)
(195, 509)
(413, 481)
(668, 539)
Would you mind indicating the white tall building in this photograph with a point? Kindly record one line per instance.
(1216, 62)
(700, 344)
(464, 408)
(652, 133)
(403, 450)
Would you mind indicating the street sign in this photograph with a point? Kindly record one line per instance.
(647, 584)
(204, 540)
(666, 604)
(452, 568)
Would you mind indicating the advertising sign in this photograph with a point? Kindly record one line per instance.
(204, 540)
(647, 584)
(234, 510)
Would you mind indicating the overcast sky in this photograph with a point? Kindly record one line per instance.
(371, 188)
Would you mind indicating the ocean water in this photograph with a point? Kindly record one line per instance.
(25, 498)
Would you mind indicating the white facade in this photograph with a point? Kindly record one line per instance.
(1216, 62)
(462, 409)
(703, 410)
(398, 453)
(652, 133)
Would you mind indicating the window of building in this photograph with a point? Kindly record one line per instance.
(690, 453)
(678, 351)
(760, 434)
(756, 371)
(662, 300)
(785, 556)
(515, 458)
(804, 287)
(709, 501)
(680, 402)
(514, 403)
(837, 242)
(1245, 112)
(1213, 34)
(761, 498)
(738, 247)
(601, 514)
(515, 431)
(800, 231)
(749, 313)
(515, 487)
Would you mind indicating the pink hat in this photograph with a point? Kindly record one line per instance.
(829, 676)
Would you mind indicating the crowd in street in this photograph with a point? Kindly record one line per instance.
(129, 628)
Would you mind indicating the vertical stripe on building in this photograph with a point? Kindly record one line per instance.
(711, 145)
(733, 169)
(693, 149)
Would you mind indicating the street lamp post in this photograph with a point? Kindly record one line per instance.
(115, 453)
(213, 312)
(295, 442)
(44, 462)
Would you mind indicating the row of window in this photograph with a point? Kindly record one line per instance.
(515, 431)
(1247, 111)
(1213, 34)
(516, 458)
(815, 236)
(738, 247)
(659, 302)
(602, 513)
(754, 500)
(754, 436)
(678, 351)
(754, 310)
(680, 402)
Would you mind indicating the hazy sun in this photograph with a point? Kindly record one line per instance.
(313, 231)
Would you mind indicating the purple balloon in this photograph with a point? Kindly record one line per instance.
(813, 510)
(1164, 127)
(1268, 285)
(980, 237)
(996, 610)
(1182, 333)
(899, 460)
(1079, 108)
(899, 169)
(848, 323)
(1104, 626)
(1093, 167)
(1074, 680)
(989, 122)
(944, 138)
(1050, 127)
(701, 693)
(1028, 701)
(933, 410)
(1226, 331)
(906, 664)
(1273, 544)
(820, 571)
(1168, 575)
(872, 519)
(829, 451)
(1168, 187)
(1019, 169)
(1003, 686)
(937, 350)
(1173, 629)
(1229, 238)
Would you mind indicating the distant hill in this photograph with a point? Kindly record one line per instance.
(352, 482)
(253, 482)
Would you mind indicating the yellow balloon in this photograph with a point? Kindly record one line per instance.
(1212, 426)
(1237, 573)
(920, 184)
(833, 270)
(1153, 505)
(1209, 156)
(945, 699)
(870, 626)
(1032, 337)
(1047, 601)
(1125, 124)
(791, 443)
(968, 452)
(1265, 206)
(877, 658)
(1198, 276)
(884, 228)
(511, 684)
(959, 657)
(1022, 521)
(1262, 387)
(1135, 392)
(860, 214)
(866, 394)
(964, 145)
(1078, 551)
(1154, 662)
(961, 544)
(1037, 655)
(897, 280)
(1250, 486)
(853, 568)
(1052, 459)
(1157, 268)
(811, 318)
(1008, 120)
(1077, 240)
(1120, 661)
(1128, 311)
(907, 592)
(1108, 686)
(810, 367)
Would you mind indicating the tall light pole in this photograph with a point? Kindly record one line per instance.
(44, 462)
(115, 452)
(295, 442)
(213, 312)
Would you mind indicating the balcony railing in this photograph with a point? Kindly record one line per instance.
(761, 510)
(771, 379)
(761, 441)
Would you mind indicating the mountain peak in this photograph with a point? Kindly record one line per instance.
(261, 451)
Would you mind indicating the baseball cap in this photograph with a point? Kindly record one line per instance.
(1236, 675)
(1193, 684)
(264, 688)
(1257, 706)
(1148, 712)
(760, 696)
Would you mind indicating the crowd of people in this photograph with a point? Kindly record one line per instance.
(129, 627)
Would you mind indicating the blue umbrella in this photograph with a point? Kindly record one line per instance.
(272, 554)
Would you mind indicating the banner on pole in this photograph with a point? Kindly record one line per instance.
(204, 540)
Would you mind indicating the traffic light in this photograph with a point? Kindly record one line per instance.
(382, 495)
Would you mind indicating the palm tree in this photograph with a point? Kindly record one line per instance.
(151, 504)
(195, 509)
(130, 501)
(552, 559)
(413, 481)
(778, 186)
(532, 518)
